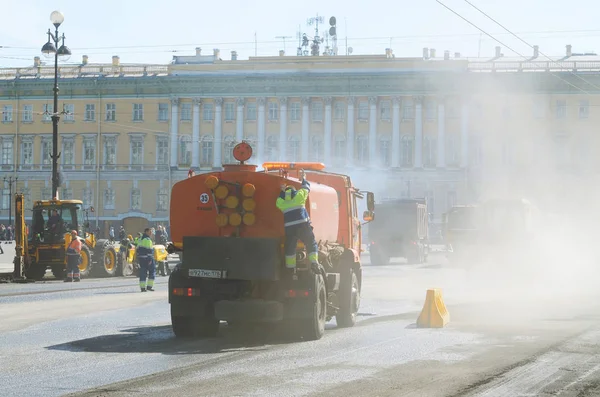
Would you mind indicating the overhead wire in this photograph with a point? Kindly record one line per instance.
(509, 47)
(531, 46)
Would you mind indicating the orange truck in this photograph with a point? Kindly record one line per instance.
(230, 237)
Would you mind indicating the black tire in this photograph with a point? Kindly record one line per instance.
(35, 271)
(378, 257)
(313, 327)
(58, 270)
(195, 326)
(86, 266)
(349, 299)
(107, 264)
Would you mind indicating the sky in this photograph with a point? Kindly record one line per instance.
(153, 31)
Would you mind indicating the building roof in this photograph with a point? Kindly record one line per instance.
(213, 65)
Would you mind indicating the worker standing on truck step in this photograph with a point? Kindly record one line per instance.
(146, 260)
(297, 222)
(73, 258)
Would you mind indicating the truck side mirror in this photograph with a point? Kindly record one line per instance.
(368, 216)
(92, 209)
(370, 201)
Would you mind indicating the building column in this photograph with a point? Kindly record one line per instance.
(282, 128)
(395, 132)
(418, 132)
(174, 131)
(372, 131)
(464, 135)
(441, 137)
(327, 138)
(196, 102)
(350, 130)
(239, 126)
(218, 140)
(305, 124)
(261, 128)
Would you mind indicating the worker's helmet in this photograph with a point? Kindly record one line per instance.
(130, 237)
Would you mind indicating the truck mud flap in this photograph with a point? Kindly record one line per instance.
(256, 311)
(256, 259)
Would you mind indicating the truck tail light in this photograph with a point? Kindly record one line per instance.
(293, 293)
(186, 291)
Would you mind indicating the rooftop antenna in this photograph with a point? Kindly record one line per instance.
(316, 40)
(346, 33)
(255, 45)
(283, 38)
(333, 34)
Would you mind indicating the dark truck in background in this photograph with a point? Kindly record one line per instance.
(400, 230)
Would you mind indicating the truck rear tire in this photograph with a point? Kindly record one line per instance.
(313, 327)
(194, 326)
(35, 271)
(107, 261)
(85, 267)
(58, 270)
(349, 299)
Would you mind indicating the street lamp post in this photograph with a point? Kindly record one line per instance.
(49, 49)
(10, 180)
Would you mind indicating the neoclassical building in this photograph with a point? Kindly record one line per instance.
(442, 128)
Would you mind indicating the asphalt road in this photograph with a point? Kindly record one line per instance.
(513, 332)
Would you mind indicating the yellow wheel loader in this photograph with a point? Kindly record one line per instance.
(44, 245)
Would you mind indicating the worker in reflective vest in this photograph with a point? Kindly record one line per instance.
(145, 258)
(73, 258)
(297, 222)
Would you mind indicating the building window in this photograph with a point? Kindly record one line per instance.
(316, 111)
(68, 152)
(109, 199)
(362, 148)
(385, 150)
(339, 111)
(110, 151)
(162, 152)
(406, 154)
(429, 152)
(363, 111)
(339, 149)
(27, 193)
(185, 150)
(251, 111)
(228, 147)
(46, 193)
(273, 111)
(186, 111)
(7, 152)
(90, 112)
(136, 199)
(561, 108)
(162, 201)
(46, 152)
(28, 113)
(88, 198)
(111, 112)
(69, 112)
(89, 151)
(452, 151)
(229, 111)
(5, 199)
(7, 114)
(208, 112)
(316, 148)
(48, 110)
(408, 112)
(163, 112)
(207, 151)
(138, 112)
(385, 110)
(294, 149)
(67, 193)
(272, 148)
(27, 152)
(295, 111)
(584, 109)
(430, 111)
(137, 152)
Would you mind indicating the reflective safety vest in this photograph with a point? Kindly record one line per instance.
(292, 204)
(144, 247)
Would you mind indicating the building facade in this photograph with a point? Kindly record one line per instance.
(446, 129)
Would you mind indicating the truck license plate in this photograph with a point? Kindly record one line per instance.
(205, 273)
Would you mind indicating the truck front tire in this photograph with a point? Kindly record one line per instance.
(313, 327)
(349, 299)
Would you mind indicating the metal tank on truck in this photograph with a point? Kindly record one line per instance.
(230, 235)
